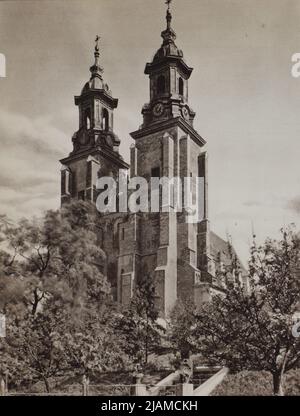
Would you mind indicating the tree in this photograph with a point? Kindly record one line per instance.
(11, 288)
(51, 284)
(254, 331)
(52, 344)
(138, 322)
(32, 345)
(58, 255)
(93, 346)
(181, 322)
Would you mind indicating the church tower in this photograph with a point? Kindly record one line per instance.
(167, 145)
(161, 243)
(169, 75)
(95, 145)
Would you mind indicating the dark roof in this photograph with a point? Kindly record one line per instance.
(219, 249)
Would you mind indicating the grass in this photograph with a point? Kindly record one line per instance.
(257, 383)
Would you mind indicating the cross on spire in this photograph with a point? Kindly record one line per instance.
(168, 2)
(169, 15)
(96, 68)
(97, 43)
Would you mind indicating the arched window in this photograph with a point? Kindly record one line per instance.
(97, 110)
(181, 86)
(105, 116)
(87, 118)
(161, 84)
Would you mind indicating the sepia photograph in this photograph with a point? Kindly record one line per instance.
(149, 202)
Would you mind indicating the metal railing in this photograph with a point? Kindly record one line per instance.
(169, 386)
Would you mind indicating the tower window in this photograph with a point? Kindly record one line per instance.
(161, 84)
(66, 184)
(181, 86)
(87, 119)
(105, 116)
(89, 174)
(63, 182)
(155, 172)
(98, 110)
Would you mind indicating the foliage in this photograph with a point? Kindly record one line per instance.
(180, 325)
(138, 323)
(257, 383)
(59, 317)
(55, 296)
(253, 331)
(33, 347)
(246, 383)
(58, 256)
(93, 347)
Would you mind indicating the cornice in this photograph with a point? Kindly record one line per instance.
(93, 151)
(113, 102)
(150, 67)
(165, 124)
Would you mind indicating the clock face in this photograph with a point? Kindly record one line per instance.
(185, 113)
(158, 109)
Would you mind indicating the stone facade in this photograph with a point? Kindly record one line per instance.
(162, 244)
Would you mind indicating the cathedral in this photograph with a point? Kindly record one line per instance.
(183, 258)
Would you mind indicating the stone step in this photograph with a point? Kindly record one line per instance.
(202, 374)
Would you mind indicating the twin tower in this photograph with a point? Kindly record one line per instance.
(163, 245)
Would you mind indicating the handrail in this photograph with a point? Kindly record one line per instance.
(209, 385)
(167, 381)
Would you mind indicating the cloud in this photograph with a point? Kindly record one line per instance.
(37, 134)
(252, 203)
(294, 204)
(29, 176)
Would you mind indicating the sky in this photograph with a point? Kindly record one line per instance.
(246, 101)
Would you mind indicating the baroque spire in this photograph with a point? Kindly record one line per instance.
(169, 15)
(96, 69)
(168, 35)
(168, 47)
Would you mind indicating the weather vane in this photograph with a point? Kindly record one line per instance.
(97, 43)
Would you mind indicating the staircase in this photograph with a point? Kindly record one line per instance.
(202, 374)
